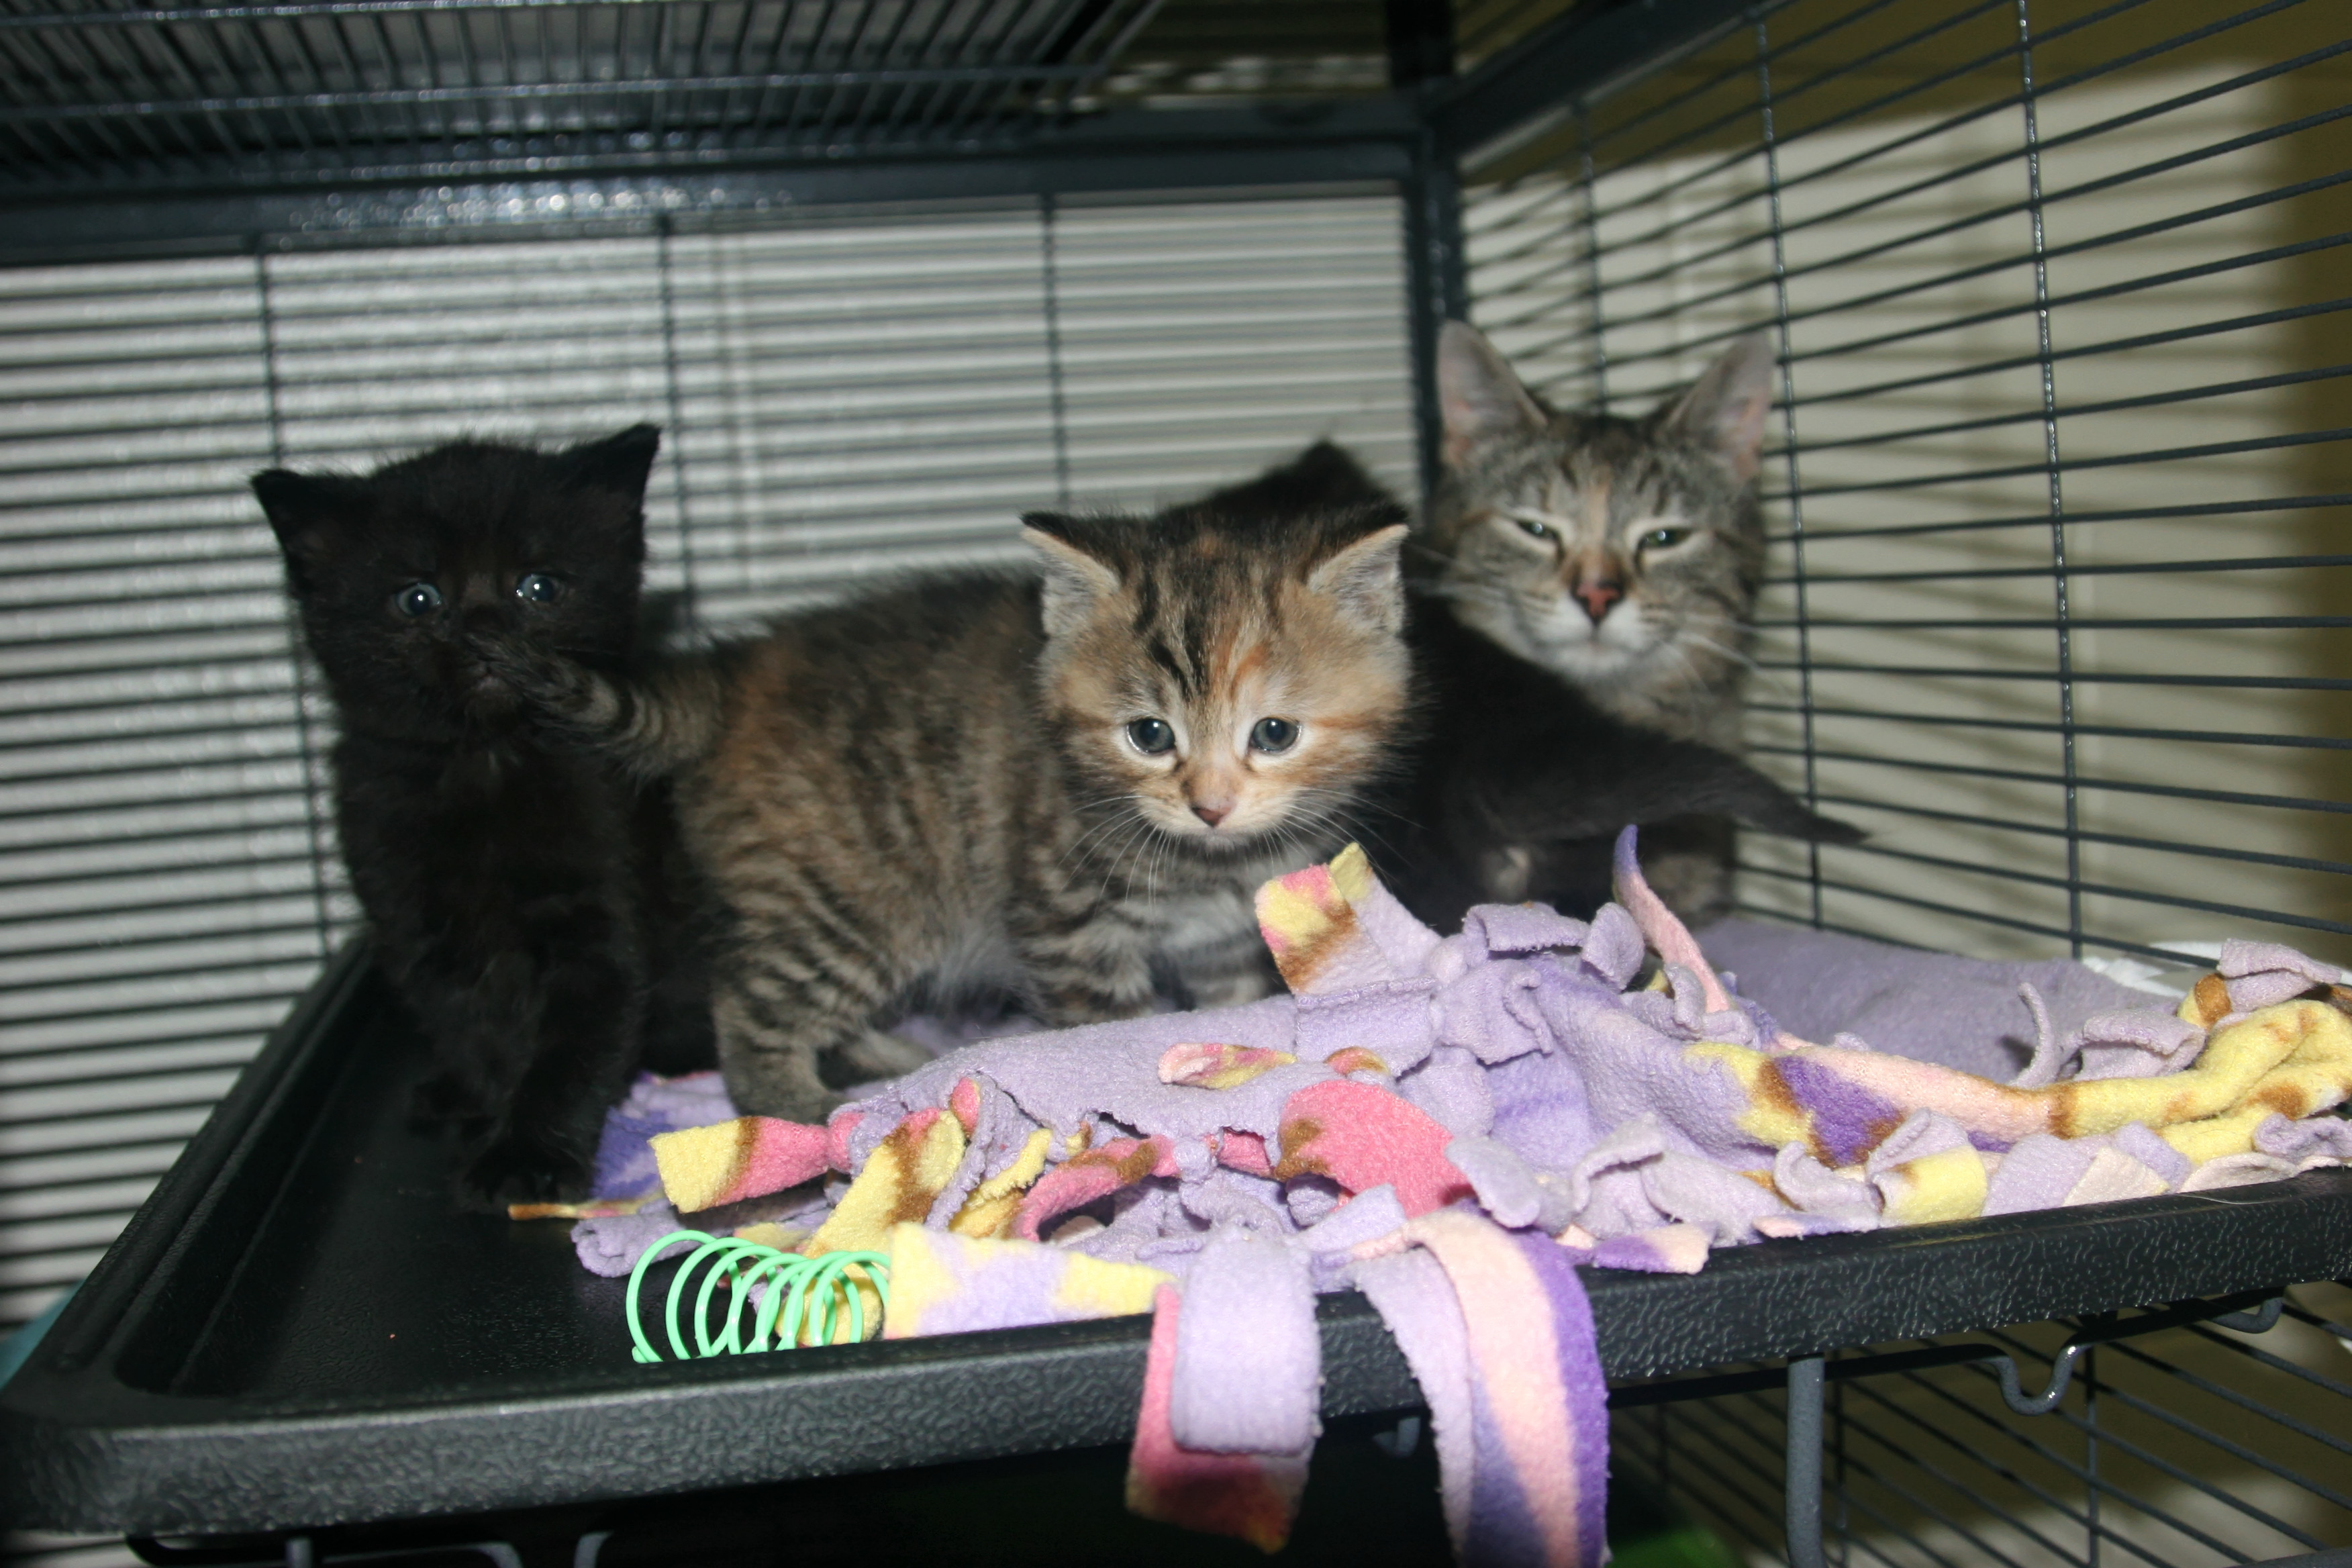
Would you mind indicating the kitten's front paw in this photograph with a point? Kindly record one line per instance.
(876, 1055)
(520, 1168)
(813, 1107)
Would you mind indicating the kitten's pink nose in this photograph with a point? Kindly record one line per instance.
(1597, 595)
(1212, 815)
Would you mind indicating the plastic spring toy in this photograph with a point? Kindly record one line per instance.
(795, 1293)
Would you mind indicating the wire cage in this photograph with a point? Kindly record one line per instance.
(2057, 480)
(2195, 1436)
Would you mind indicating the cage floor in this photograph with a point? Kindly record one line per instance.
(299, 1330)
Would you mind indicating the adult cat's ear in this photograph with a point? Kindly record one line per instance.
(303, 509)
(1075, 578)
(1724, 408)
(620, 464)
(1477, 393)
(1367, 577)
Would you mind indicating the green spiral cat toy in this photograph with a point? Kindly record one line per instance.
(800, 1292)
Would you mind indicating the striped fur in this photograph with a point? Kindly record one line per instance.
(932, 788)
(1547, 530)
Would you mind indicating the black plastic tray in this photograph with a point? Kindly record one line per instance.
(298, 1330)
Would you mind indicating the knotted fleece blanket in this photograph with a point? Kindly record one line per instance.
(1452, 1124)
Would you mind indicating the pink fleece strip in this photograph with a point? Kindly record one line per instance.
(779, 1155)
(1660, 927)
(1252, 1496)
(1512, 1347)
(1977, 1104)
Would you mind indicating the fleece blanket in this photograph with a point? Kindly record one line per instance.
(1453, 1125)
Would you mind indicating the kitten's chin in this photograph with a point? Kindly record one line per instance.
(1587, 658)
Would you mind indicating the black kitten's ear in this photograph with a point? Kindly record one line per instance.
(303, 509)
(1479, 396)
(1323, 478)
(1074, 577)
(1367, 577)
(620, 464)
(1724, 410)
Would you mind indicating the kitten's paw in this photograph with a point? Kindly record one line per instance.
(520, 1168)
(786, 1103)
(545, 681)
(880, 1055)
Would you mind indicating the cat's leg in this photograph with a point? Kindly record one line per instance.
(1084, 967)
(785, 1003)
(478, 1014)
(584, 1033)
(1230, 972)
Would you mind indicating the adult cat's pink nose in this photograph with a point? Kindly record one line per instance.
(1212, 815)
(1597, 595)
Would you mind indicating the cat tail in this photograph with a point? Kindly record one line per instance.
(1765, 805)
(1596, 791)
(652, 724)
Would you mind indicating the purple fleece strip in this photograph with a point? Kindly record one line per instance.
(1848, 1119)
(1503, 1529)
(1588, 1391)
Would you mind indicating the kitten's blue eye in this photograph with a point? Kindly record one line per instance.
(1150, 736)
(1533, 529)
(539, 588)
(417, 599)
(1660, 538)
(1274, 736)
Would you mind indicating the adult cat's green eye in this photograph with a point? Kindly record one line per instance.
(1660, 538)
(1273, 736)
(1533, 529)
(1150, 736)
(539, 588)
(417, 599)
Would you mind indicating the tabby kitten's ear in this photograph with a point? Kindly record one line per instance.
(1075, 578)
(1724, 410)
(1366, 576)
(304, 509)
(1478, 395)
(619, 463)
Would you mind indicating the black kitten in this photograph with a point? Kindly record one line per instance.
(524, 898)
(1521, 784)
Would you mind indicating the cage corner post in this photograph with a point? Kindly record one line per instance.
(1802, 1486)
(1420, 59)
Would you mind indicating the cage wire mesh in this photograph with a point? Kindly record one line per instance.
(115, 95)
(2057, 483)
(2188, 1448)
(2058, 486)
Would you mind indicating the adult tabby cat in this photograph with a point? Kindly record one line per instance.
(524, 900)
(1069, 784)
(1518, 784)
(1624, 555)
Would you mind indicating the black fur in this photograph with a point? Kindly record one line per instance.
(1519, 784)
(525, 901)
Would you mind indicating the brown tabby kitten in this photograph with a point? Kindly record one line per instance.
(1624, 555)
(1069, 785)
